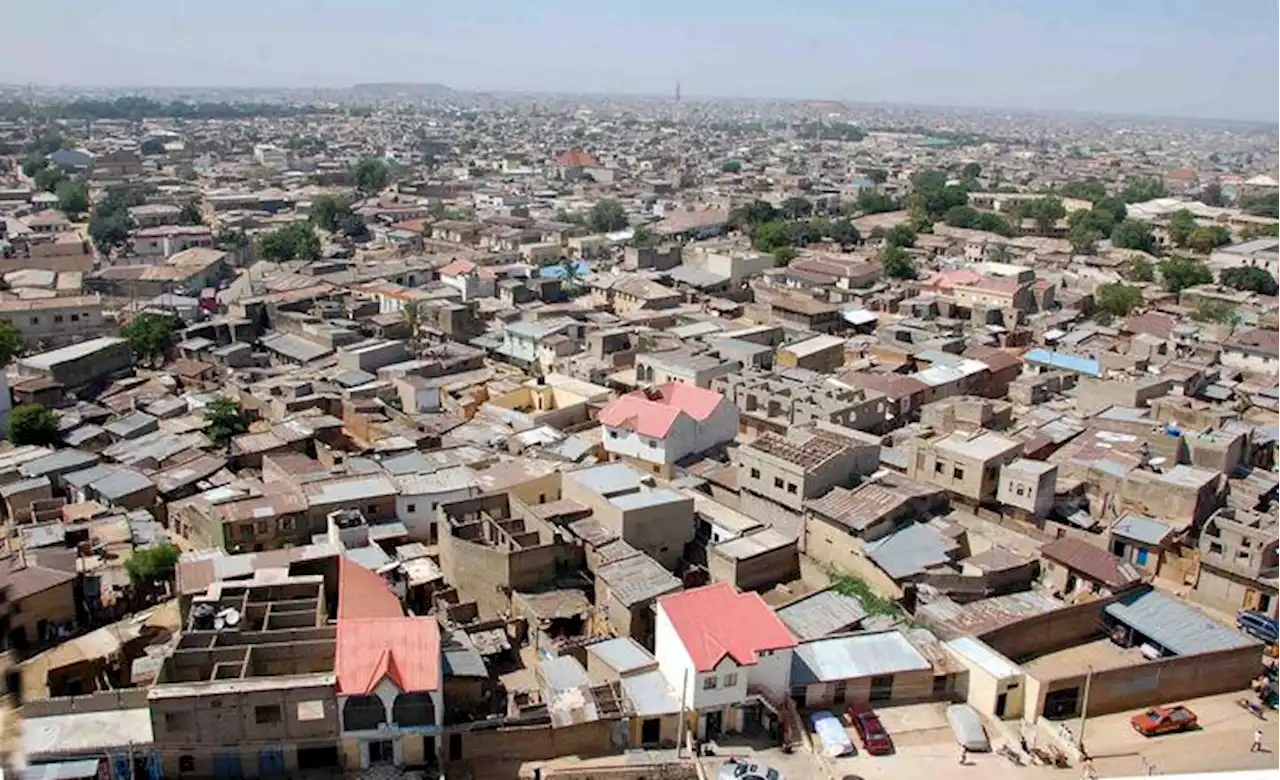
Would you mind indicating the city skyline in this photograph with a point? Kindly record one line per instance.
(1000, 55)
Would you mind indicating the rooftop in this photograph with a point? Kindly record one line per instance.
(716, 621)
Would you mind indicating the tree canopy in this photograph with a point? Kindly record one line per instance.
(190, 215)
(152, 564)
(1261, 205)
(871, 202)
(110, 223)
(969, 217)
(1139, 270)
(10, 342)
(151, 146)
(295, 241)
(149, 334)
(796, 208)
(901, 235)
(32, 424)
(1118, 299)
(1211, 195)
(749, 215)
(843, 232)
(371, 174)
(897, 264)
(73, 197)
(1144, 189)
(334, 214)
(1179, 273)
(1089, 189)
(1181, 225)
(1249, 278)
(1133, 234)
(1046, 212)
(47, 179)
(606, 217)
(731, 166)
(931, 196)
(1216, 311)
(1205, 239)
(224, 421)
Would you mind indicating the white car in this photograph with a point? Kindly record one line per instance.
(737, 769)
(831, 732)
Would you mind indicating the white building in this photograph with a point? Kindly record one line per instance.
(471, 280)
(271, 156)
(726, 652)
(657, 427)
(422, 494)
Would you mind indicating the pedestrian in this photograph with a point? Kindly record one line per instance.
(1257, 742)
(964, 755)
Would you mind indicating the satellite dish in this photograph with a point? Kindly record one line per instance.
(231, 616)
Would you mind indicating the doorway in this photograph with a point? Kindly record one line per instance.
(1062, 704)
(650, 731)
(1002, 701)
(715, 724)
(455, 747)
(381, 752)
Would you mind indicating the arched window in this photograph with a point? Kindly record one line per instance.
(414, 709)
(362, 713)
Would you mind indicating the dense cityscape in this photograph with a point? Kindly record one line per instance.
(404, 431)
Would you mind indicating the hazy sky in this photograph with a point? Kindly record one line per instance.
(1209, 58)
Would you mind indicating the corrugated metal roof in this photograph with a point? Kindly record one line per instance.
(821, 614)
(981, 655)
(1177, 627)
(1141, 529)
(854, 656)
(909, 551)
(622, 654)
(650, 694)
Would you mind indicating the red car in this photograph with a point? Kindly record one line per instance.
(1163, 720)
(875, 740)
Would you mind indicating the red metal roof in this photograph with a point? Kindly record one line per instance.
(653, 412)
(717, 621)
(404, 649)
(364, 594)
(576, 158)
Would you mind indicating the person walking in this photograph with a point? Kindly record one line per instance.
(964, 755)
(1257, 742)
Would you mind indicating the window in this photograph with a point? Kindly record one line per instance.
(791, 488)
(1022, 491)
(1215, 548)
(613, 434)
(75, 317)
(777, 482)
(709, 684)
(35, 320)
(938, 468)
(755, 473)
(260, 528)
(311, 710)
(287, 524)
(177, 721)
(57, 318)
(957, 473)
(411, 508)
(186, 763)
(730, 679)
(371, 510)
(269, 713)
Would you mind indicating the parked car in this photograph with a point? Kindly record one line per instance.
(875, 740)
(738, 769)
(1163, 720)
(831, 732)
(1259, 626)
(967, 725)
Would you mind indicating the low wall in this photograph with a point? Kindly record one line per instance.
(1052, 631)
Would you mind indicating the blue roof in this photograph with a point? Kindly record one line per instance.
(1177, 627)
(1064, 361)
(558, 272)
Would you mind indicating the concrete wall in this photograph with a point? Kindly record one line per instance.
(1052, 631)
(832, 546)
(54, 605)
(757, 572)
(537, 742)
(908, 687)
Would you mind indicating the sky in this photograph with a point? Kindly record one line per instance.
(1186, 58)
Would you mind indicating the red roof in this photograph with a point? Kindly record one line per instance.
(457, 268)
(718, 621)
(364, 594)
(404, 649)
(576, 158)
(652, 412)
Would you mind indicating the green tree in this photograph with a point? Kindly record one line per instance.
(772, 235)
(32, 424)
(353, 227)
(1216, 311)
(326, 210)
(1118, 299)
(644, 238)
(295, 241)
(1249, 279)
(607, 216)
(751, 215)
(1046, 212)
(731, 166)
(371, 174)
(900, 236)
(1144, 189)
(971, 171)
(48, 144)
(412, 314)
(10, 342)
(1180, 272)
(1261, 206)
(932, 196)
(149, 334)
(897, 264)
(783, 255)
(1251, 232)
(1181, 225)
(151, 147)
(843, 232)
(151, 565)
(1139, 270)
(961, 216)
(48, 179)
(1211, 195)
(1083, 238)
(73, 197)
(872, 202)
(1133, 234)
(33, 164)
(796, 208)
(231, 239)
(109, 229)
(1089, 189)
(224, 420)
(190, 215)
(1206, 239)
(877, 176)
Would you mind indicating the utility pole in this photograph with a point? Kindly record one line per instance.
(1084, 709)
(680, 727)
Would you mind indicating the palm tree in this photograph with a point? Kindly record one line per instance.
(573, 274)
(413, 321)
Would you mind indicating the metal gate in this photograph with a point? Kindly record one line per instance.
(271, 762)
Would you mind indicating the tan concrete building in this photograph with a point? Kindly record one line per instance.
(48, 323)
(966, 464)
(1238, 562)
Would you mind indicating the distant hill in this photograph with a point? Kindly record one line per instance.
(391, 89)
